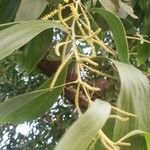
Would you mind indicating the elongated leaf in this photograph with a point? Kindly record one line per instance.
(17, 35)
(31, 105)
(8, 24)
(82, 132)
(147, 138)
(35, 50)
(118, 31)
(28, 6)
(134, 97)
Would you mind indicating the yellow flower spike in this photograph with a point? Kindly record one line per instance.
(123, 112)
(69, 83)
(68, 58)
(74, 12)
(65, 48)
(57, 49)
(54, 12)
(51, 14)
(77, 99)
(141, 39)
(99, 73)
(58, 45)
(88, 28)
(91, 36)
(97, 40)
(87, 95)
(81, 29)
(83, 59)
(102, 44)
(92, 47)
(94, 89)
(107, 143)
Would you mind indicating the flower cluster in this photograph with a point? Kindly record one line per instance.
(78, 23)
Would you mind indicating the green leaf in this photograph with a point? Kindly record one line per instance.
(82, 132)
(143, 53)
(31, 105)
(147, 138)
(144, 49)
(8, 24)
(8, 10)
(134, 97)
(118, 31)
(28, 6)
(97, 145)
(17, 35)
(35, 50)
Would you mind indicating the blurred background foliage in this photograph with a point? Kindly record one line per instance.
(42, 133)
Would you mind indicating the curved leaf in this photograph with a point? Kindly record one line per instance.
(28, 6)
(82, 132)
(31, 105)
(35, 50)
(19, 34)
(118, 31)
(134, 97)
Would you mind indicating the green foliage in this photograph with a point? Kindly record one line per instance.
(14, 37)
(144, 48)
(34, 134)
(143, 53)
(24, 11)
(147, 137)
(134, 93)
(39, 47)
(94, 119)
(118, 31)
(30, 40)
(20, 108)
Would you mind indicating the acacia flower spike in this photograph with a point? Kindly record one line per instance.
(94, 89)
(68, 58)
(58, 45)
(77, 99)
(87, 95)
(84, 59)
(74, 12)
(54, 12)
(123, 112)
